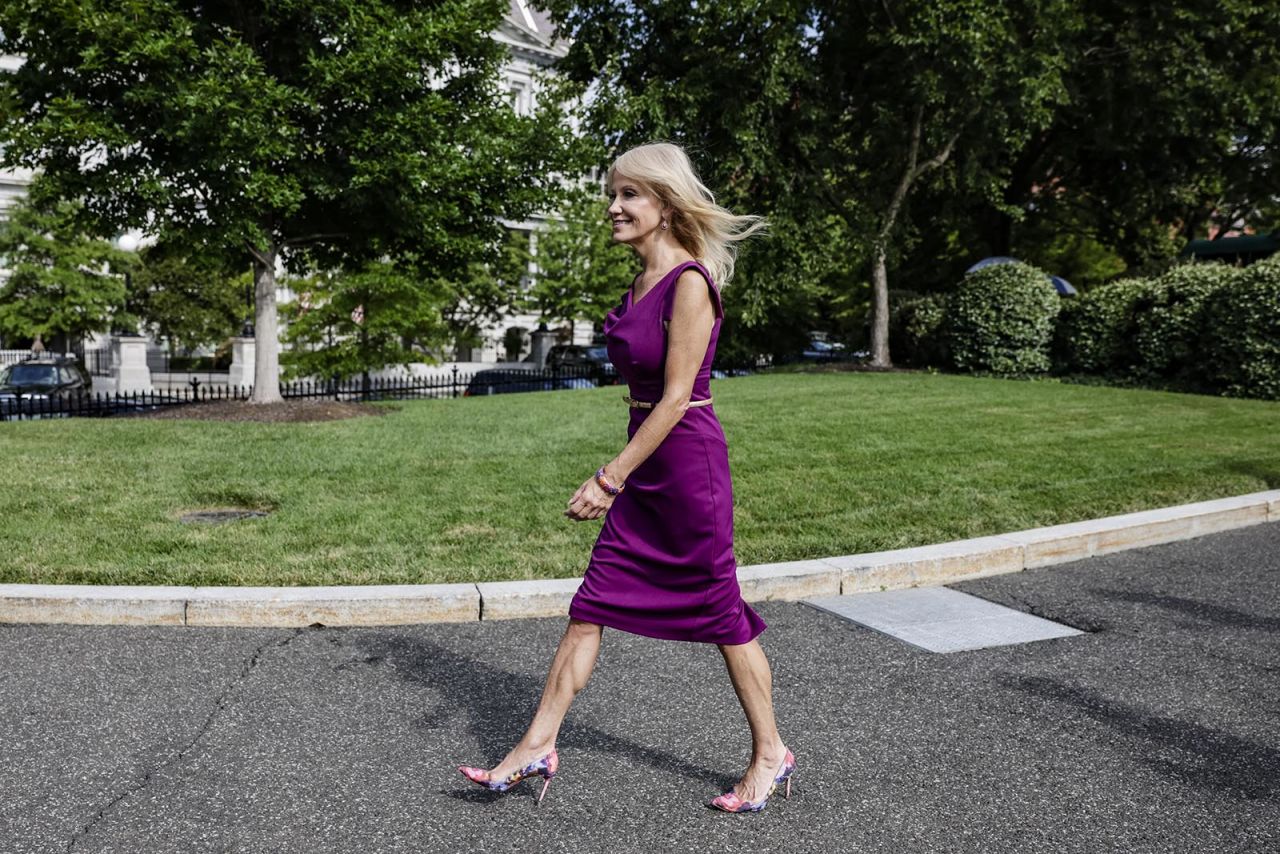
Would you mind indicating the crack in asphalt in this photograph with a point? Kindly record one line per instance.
(220, 705)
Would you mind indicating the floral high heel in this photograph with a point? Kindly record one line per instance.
(545, 767)
(730, 802)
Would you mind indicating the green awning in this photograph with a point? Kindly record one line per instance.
(1250, 245)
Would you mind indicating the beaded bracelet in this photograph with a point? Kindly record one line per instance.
(605, 485)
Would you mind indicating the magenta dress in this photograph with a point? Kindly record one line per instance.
(663, 565)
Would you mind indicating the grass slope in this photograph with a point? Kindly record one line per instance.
(473, 489)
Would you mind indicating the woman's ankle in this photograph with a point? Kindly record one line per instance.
(539, 748)
(774, 752)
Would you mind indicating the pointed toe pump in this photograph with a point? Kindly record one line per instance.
(545, 767)
(730, 802)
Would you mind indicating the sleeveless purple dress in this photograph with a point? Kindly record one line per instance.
(663, 565)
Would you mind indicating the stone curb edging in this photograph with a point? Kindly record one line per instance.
(379, 605)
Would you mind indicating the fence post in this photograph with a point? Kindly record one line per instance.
(540, 346)
(455, 380)
(242, 362)
(131, 372)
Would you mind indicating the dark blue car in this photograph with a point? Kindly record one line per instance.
(509, 380)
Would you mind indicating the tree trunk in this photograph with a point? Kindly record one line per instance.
(880, 308)
(879, 270)
(266, 344)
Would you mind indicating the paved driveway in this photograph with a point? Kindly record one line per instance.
(1156, 731)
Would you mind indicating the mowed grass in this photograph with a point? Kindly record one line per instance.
(474, 489)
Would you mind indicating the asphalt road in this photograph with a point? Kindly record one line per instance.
(1157, 731)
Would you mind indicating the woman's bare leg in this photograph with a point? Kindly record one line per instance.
(753, 682)
(570, 670)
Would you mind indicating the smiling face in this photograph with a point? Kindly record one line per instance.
(635, 211)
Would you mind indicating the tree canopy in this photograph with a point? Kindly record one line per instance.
(189, 298)
(62, 284)
(828, 114)
(921, 135)
(324, 134)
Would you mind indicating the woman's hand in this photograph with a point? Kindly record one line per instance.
(589, 502)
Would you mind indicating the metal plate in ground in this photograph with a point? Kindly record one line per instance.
(218, 517)
(939, 619)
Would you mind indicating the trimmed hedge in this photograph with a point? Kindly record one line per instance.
(917, 333)
(1001, 319)
(1241, 341)
(1096, 330)
(1169, 319)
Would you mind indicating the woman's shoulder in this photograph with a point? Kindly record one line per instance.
(694, 271)
(694, 274)
(693, 287)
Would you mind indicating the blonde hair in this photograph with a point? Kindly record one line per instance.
(709, 231)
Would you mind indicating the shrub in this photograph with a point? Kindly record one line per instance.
(917, 335)
(1095, 331)
(1241, 341)
(1000, 319)
(1169, 318)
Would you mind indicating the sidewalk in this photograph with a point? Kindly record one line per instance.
(1155, 731)
(374, 605)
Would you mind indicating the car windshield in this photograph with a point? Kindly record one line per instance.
(31, 375)
(598, 353)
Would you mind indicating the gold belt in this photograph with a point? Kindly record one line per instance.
(644, 404)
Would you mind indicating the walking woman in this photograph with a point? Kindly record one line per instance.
(663, 565)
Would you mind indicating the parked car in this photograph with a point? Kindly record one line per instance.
(592, 360)
(507, 380)
(45, 377)
(821, 350)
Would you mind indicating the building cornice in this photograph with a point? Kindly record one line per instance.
(528, 46)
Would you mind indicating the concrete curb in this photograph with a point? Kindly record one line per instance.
(381, 605)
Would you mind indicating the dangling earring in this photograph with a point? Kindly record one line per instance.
(664, 223)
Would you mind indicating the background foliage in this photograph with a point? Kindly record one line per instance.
(323, 135)
(62, 284)
(1241, 342)
(187, 297)
(1001, 318)
(351, 322)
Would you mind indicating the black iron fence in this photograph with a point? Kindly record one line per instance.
(97, 361)
(17, 405)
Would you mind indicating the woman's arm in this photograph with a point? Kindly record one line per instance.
(692, 319)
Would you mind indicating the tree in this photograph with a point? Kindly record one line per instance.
(849, 107)
(61, 284)
(353, 322)
(482, 292)
(915, 82)
(318, 135)
(581, 270)
(733, 83)
(1168, 131)
(189, 298)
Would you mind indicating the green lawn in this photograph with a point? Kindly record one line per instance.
(473, 489)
